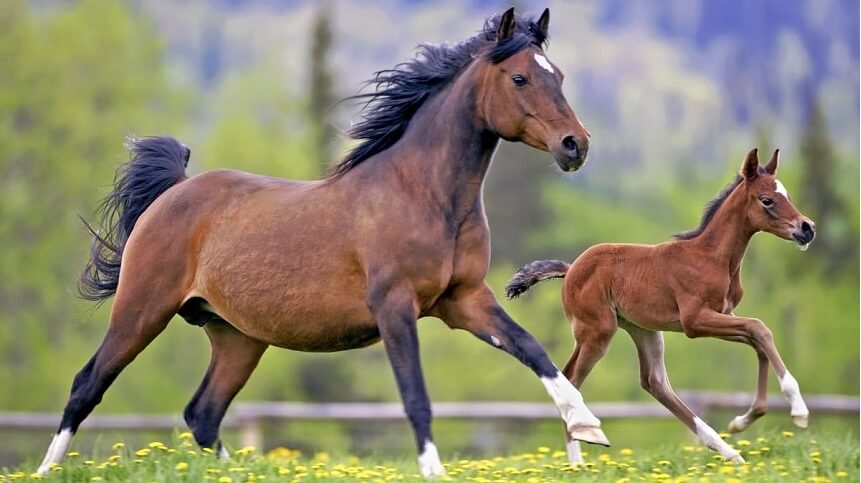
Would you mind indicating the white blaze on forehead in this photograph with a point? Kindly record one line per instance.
(544, 63)
(778, 187)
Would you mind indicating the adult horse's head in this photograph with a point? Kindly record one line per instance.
(521, 96)
(769, 208)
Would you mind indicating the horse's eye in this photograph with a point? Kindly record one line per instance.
(519, 80)
(767, 201)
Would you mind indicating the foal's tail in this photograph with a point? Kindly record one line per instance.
(155, 164)
(532, 273)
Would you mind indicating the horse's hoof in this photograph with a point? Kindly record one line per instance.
(589, 434)
(738, 424)
(432, 472)
(800, 421)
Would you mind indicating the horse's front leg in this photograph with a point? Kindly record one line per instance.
(394, 311)
(476, 310)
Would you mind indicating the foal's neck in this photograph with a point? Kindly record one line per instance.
(446, 151)
(728, 233)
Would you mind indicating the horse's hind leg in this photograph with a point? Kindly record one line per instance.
(136, 319)
(234, 357)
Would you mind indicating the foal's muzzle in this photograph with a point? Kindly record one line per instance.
(804, 233)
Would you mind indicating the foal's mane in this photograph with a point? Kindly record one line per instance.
(401, 90)
(710, 210)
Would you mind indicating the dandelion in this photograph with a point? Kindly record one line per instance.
(543, 449)
(626, 452)
(118, 446)
(225, 479)
(185, 435)
(788, 434)
(743, 442)
(841, 474)
(244, 451)
(157, 444)
(182, 465)
(35, 476)
(96, 478)
(142, 452)
(72, 454)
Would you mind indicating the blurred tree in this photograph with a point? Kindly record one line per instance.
(321, 85)
(835, 243)
(74, 83)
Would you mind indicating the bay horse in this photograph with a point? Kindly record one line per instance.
(396, 232)
(691, 284)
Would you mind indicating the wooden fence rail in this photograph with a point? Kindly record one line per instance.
(250, 417)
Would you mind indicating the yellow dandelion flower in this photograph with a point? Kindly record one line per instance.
(814, 454)
(72, 454)
(225, 479)
(543, 449)
(182, 465)
(743, 442)
(96, 478)
(118, 446)
(558, 454)
(35, 476)
(841, 474)
(723, 435)
(753, 452)
(142, 452)
(788, 434)
(244, 451)
(207, 450)
(185, 435)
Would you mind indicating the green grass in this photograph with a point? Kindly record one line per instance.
(774, 457)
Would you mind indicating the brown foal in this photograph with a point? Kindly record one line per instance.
(690, 284)
(397, 232)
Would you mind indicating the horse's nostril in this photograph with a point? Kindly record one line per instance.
(570, 145)
(806, 227)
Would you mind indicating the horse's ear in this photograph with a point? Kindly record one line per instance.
(506, 25)
(772, 165)
(544, 22)
(750, 165)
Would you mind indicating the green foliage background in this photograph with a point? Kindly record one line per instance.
(75, 79)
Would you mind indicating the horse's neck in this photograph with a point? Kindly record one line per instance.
(728, 233)
(445, 152)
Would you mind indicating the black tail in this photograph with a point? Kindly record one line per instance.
(532, 273)
(155, 164)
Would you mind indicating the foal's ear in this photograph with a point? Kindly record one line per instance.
(750, 165)
(772, 165)
(506, 25)
(544, 22)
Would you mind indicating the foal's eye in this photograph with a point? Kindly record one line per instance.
(519, 80)
(767, 201)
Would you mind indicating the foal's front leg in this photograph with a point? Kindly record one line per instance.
(475, 310)
(709, 323)
(395, 314)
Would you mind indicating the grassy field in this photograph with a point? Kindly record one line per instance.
(785, 456)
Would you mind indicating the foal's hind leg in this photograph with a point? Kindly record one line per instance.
(760, 401)
(234, 357)
(653, 378)
(135, 321)
(592, 340)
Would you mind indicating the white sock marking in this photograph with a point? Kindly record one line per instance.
(56, 451)
(429, 463)
(789, 387)
(223, 453)
(569, 401)
(711, 439)
(495, 341)
(574, 456)
(779, 188)
(544, 63)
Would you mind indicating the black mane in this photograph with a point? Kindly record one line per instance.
(400, 91)
(710, 210)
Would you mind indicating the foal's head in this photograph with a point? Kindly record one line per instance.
(521, 96)
(769, 207)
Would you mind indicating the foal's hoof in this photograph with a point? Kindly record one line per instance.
(588, 434)
(432, 472)
(736, 458)
(800, 421)
(738, 424)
